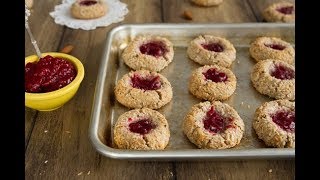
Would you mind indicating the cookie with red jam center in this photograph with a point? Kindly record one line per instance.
(212, 83)
(274, 78)
(152, 53)
(141, 129)
(274, 123)
(283, 12)
(263, 48)
(211, 50)
(213, 125)
(143, 88)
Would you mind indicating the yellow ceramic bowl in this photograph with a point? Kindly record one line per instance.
(53, 100)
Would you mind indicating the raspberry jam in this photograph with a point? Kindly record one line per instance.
(88, 3)
(285, 119)
(283, 73)
(276, 46)
(215, 75)
(143, 126)
(155, 49)
(286, 10)
(146, 83)
(48, 74)
(216, 47)
(215, 123)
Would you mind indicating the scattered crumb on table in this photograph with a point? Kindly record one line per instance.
(80, 173)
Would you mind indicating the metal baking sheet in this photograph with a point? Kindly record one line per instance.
(245, 100)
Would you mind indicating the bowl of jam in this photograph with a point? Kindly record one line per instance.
(52, 80)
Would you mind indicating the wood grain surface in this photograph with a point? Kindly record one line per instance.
(57, 143)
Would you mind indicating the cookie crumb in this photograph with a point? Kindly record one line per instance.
(88, 173)
(187, 15)
(46, 162)
(241, 103)
(248, 106)
(68, 132)
(45, 131)
(270, 171)
(171, 174)
(80, 173)
(238, 62)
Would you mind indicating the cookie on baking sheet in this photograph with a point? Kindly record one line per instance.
(212, 83)
(214, 125)
(274, 123)
(280, 12)
(207, 2)
(274, 78)
(211, 50)
(141, 129)
(147, 52)
(272, 48)
(143, 88)
(88, 9)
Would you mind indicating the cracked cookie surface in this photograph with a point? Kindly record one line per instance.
(263, 48)
(211, 50)
(143, 88)
(274, 78)
(212, 83)
(141, 129)
(274, 123)
(214, 125)
(147, 52)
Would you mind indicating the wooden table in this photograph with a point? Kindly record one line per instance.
(57, 144)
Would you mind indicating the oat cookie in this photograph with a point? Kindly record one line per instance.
(280, 12)
(211, 50)
(207, 2)
(152, 53)
(214, 125)
(88, 9)
(141, 129)
(274, 123)
(143, 88)
(272, 48)
(212, 83)
(274, 78)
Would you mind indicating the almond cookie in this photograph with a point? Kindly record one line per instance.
(141, 129)
(211, 50)
(274, 123)
(88, 9)
(272, 48)
(143, 88)
(274, 78)
(214, 125)
(280, 12)
(212, 83)
(152, 53)
(207, 2)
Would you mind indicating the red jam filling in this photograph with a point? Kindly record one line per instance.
(143, 126)
(215, 75)
(155, 49)
(216, 47)
(286, 10)
(146, 83)
(48, 74)
(88, 3)
(282, 72)
(276, 46)
(285, 119)
(215, 123)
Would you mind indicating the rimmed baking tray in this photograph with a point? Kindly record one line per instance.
(245, 100)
